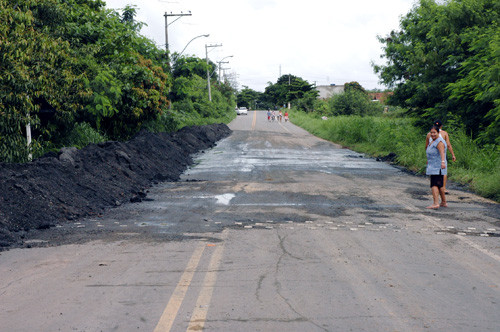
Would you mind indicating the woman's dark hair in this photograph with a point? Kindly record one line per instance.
(435, 127)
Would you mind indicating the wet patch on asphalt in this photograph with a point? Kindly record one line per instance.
(419, 194)
(252, 182)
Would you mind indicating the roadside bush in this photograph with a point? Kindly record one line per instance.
(309, 102)
(353, 102)
(13, 146)
(166, 122)
(83, 134)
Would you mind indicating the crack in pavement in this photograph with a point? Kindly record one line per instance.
(277, 284)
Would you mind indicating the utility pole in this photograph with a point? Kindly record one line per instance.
(221, 62)
(289, 76)
(166, 27)
(224, 72)
(208, 71)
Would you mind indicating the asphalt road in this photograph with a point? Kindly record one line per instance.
(272, 230)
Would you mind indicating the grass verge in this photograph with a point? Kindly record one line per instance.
(477, 167)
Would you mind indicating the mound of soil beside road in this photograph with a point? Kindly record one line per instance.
(76, 183)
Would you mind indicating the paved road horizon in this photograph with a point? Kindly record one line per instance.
(272, 230)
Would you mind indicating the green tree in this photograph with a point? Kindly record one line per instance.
(92, 65)
(477, 88)
(288, 88)
(353, 102)
(189, 66)
(34, 65)
(354, 86)
(309, 102)
(249, 98)
(190, 94)
(441, 61)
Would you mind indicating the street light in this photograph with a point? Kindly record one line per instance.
(208, 71)
(221, 61)
(190, 43)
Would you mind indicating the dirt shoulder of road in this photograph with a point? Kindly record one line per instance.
(73, 183)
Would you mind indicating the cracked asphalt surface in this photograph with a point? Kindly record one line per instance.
(271, 230)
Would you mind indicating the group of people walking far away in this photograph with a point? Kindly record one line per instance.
(271, 116)
(436, 144)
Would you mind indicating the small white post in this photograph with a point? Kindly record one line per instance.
(28, 138)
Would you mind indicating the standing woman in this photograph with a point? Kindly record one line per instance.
(437, 167)
(446, 137)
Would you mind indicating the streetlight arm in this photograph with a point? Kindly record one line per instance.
(229, 56)
(190, 43)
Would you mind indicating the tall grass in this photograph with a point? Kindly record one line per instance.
(478, 167)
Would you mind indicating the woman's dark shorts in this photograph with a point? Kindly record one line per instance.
(437, 181)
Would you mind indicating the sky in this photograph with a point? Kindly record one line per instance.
(322, 41)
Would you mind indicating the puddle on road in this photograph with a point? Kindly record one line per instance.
(244, 159)
(224, 199)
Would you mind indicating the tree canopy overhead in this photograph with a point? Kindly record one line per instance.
(96, 70)
(444, 63)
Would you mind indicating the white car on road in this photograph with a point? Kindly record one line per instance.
(242, 111)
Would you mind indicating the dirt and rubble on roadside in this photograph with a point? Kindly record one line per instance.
(72, 184)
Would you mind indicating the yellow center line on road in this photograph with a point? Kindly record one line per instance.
(199, 316)
(170, 312)
(254, 122)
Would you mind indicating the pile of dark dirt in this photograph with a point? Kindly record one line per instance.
(77, 183)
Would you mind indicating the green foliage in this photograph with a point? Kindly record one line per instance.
(192, 106)
(13, 145)
(252, 99)
(354, 86)
(83, 134)
(477, 88)
(189, 66)
(288, 88)
(166, 122)
(92, 65)
(34, 64)
(189, 93)
(309, 102)
(352, 102)
(105, 97)
(477, 166)
(444, 62)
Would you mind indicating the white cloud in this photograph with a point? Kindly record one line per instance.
(318, 40)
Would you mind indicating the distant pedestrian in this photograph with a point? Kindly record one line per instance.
(269, 115)
(286, 116)
(446, 137)
(280, 115)
(436, 167)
